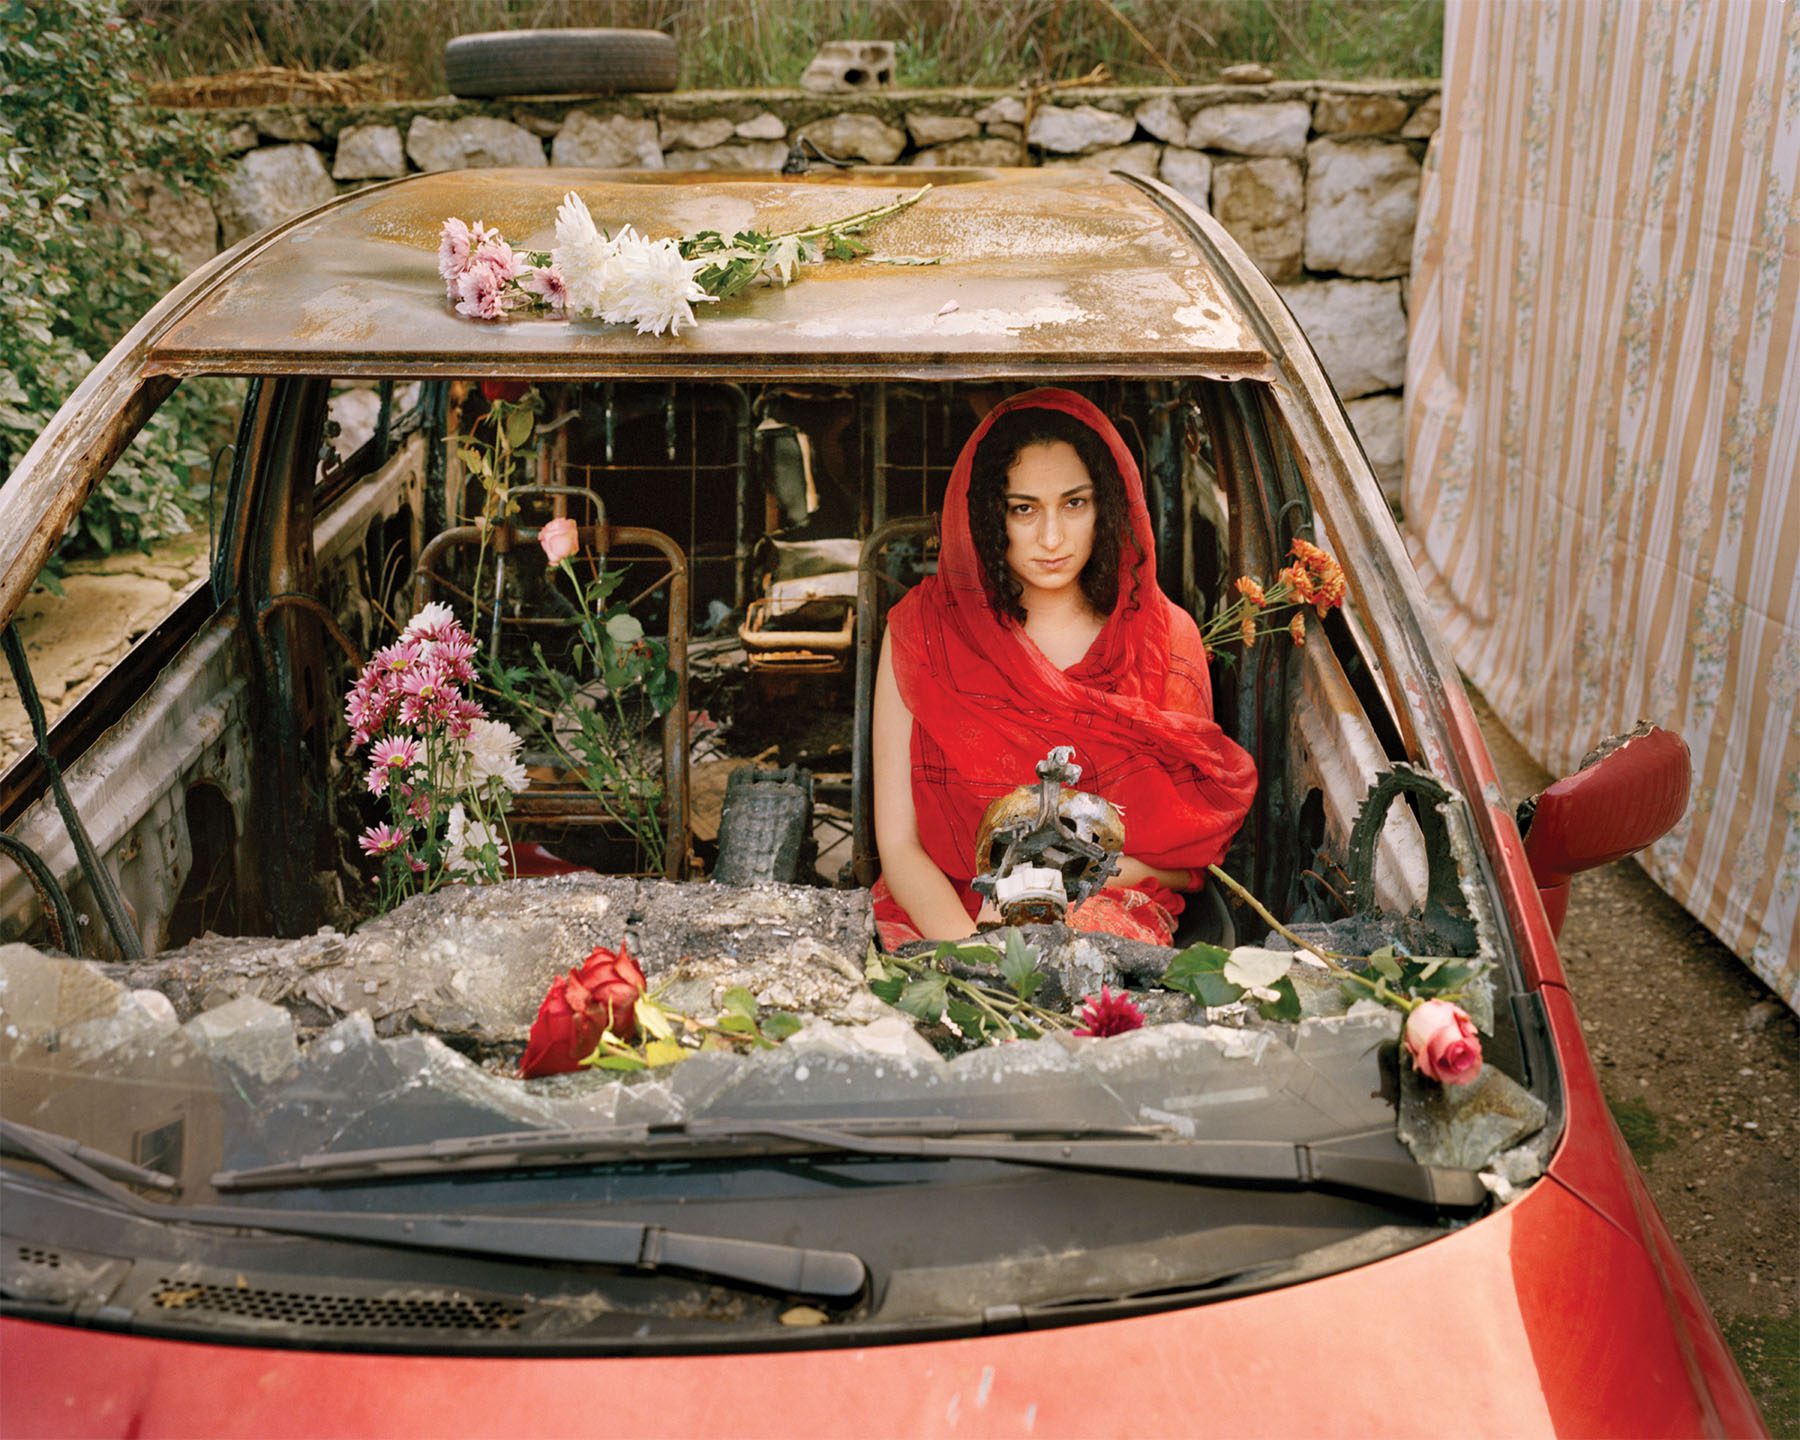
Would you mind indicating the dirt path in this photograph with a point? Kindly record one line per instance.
(73, 639)
(1701, 1066)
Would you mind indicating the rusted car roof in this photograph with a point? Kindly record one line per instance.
(1062, 269)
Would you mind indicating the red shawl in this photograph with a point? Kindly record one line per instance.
(987, 705)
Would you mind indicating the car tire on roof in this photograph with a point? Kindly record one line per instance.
(559, 62)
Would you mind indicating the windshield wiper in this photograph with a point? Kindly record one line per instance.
(111, 1166)
(833, 1276)
(1127, 1150)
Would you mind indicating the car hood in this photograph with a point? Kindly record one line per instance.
(1544, 1318)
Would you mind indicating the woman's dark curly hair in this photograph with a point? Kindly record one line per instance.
(994, 458)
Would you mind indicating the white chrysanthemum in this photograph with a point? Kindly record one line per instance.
(493, 753)
(464, 840)
(582, 255)
(651, 286)
(431, 623)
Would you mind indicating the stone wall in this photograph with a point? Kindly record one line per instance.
(1318, 181)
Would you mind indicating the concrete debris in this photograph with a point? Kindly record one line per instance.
(471, 964)
(849, 66)
(1465, 1126)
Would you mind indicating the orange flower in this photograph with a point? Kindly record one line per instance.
(1251, 590)
(1249, 628)
(1297, 628)
(1318, 580)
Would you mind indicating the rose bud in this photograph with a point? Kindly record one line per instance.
(564, 1033)
(579, 1008)
(615, 982)
(511, 391)
(1443, 1044)
(561, 538)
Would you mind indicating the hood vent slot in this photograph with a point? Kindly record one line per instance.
(307, 1310)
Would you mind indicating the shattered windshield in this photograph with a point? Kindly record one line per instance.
(588, 990)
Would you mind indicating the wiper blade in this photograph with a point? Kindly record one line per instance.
(111, 1166)
(689, 1140)
(833, 1276)
(1126, 1150)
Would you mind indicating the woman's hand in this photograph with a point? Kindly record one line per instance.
(1133, 871)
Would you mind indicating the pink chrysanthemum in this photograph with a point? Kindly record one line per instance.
(395, 659)
(427, 697)
(548, 285)
(455, 654)
(395, 754)
(381, 840)
(1109, 1014)
(461, 717)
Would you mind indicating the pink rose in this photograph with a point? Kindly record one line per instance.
(560, 539)
(1443, 1044)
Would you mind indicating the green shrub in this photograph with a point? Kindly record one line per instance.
(72, 132)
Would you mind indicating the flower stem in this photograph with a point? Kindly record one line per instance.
(856, 222)
(1274, 924)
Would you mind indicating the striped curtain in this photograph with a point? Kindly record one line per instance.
(1603, 410)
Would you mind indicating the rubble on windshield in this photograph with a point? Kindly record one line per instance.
(470, 964)
(249, 1092)
(410, 1027)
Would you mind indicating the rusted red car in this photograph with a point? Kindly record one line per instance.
(265, 1176)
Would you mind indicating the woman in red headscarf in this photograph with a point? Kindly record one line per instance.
(1044, 626)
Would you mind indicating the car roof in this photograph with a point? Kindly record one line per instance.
(1059, 269)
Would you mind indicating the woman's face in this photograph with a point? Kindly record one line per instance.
(1050, 515)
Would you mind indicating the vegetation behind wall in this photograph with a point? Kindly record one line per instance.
(73, 278)
(738, 44)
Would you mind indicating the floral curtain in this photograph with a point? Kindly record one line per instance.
(1603, 396)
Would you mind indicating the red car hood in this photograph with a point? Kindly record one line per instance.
(1545, 1318)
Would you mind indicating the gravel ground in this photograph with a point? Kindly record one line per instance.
(1701, 1066)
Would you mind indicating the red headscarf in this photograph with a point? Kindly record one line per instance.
(987, 705)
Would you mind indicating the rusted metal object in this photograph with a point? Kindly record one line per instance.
(1045, 848)
(1062, 271)
(315, 608)
(869, 614)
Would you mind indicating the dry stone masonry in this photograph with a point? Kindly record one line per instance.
(1319, 182)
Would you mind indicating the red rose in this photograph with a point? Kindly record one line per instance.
(510, 390)
(580, 1007)
(1443, 1044)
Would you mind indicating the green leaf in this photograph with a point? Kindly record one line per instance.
(664, 1052)
(1384, 964)
(1187, 968)
(925, 997)
(1212, 989)
(620, 1062)
(970, 1019)
(780, 1025)
(737, 1024)
(652, 1018)
(889, 989)
(625, 629)
(518, 426)
(1287, 1007)
(1019, 965)
(739, 1001)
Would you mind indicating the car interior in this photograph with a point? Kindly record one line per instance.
(761, 532)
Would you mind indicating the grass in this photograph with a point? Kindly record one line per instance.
(1768, 1350)
(1641, 1128)
(758, 43)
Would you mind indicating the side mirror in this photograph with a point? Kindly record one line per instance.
(1628, 793)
